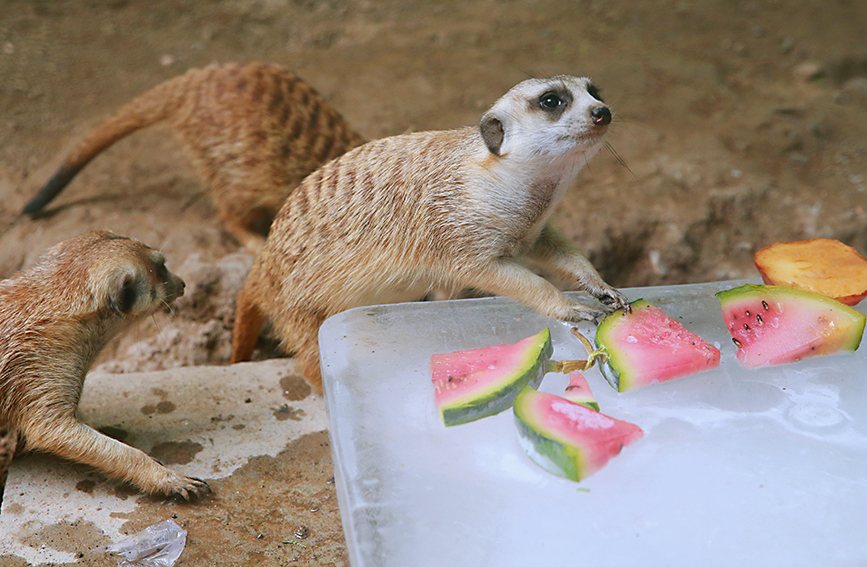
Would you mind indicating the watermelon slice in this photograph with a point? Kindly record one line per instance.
(647, 346)
(578, 391)
(472, 384)
(777, 325)
(568, 439)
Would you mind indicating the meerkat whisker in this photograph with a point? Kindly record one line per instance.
(160, 328)
(619, 159)
(168, 307)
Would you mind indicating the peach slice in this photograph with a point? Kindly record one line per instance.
(820, 265)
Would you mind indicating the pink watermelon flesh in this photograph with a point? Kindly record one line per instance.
(578, 391)
(471, 384)
(569, 439)
(777, 325)
(647, 347)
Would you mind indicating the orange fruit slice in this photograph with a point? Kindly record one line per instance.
(820, 265)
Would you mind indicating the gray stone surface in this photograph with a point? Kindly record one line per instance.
(202, 421)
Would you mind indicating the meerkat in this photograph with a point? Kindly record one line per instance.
(55, 318)
(254, 132)
(397, 217)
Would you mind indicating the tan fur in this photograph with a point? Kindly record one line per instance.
(254, 131)
(55, 318)
(397, 217)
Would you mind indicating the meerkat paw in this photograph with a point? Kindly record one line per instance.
(612, 298)
(184, 487)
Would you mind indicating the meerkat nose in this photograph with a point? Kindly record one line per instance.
(601, 116)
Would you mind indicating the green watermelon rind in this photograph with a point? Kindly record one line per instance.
(610, 368)
(551, 455)
(557, 452)
(500, 399)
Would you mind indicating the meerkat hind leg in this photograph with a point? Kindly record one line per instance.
(299, 336)
(249, 227)
(248, 323)
(69, 438)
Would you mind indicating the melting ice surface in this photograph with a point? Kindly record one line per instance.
(737, 467)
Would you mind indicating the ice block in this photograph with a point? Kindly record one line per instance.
(737, 467)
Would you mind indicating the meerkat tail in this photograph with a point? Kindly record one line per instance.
(151, 107)
(248, 322)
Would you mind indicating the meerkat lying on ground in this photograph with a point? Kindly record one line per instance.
(55, 318)
(397, 217)
(254, 131)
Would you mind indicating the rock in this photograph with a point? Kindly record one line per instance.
(808, 71)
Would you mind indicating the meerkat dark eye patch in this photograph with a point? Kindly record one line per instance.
(550, 101)
(554, 102)
(162, 272)
(593, 91)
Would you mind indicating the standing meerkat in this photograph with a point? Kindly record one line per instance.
(397, 217)
(254, 132)
(55, 318)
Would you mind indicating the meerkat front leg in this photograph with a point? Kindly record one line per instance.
(554, 252)
(506, 276)
(67, 437)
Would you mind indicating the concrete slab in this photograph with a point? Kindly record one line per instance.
(254, 431)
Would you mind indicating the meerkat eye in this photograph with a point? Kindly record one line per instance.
(550, 101)
(593, 91)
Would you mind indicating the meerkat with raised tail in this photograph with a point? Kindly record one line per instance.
(55, 318)
(397, 217)
(254, 132)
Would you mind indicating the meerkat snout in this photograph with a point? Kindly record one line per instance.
(141, 285)
(601, 116)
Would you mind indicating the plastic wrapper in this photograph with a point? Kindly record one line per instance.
(158, 545)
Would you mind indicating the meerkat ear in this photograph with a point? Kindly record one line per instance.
(492, 133)
(123, 295)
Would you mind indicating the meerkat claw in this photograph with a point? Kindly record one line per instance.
(195, 489)
(615, 300)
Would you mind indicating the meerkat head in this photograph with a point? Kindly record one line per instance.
(139, 283)
(547, 118)
(121, 275)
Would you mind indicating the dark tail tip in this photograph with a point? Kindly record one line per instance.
(51, 189)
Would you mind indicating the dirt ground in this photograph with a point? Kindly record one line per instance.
(740, 123)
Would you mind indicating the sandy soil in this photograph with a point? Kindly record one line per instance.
(740, 123)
